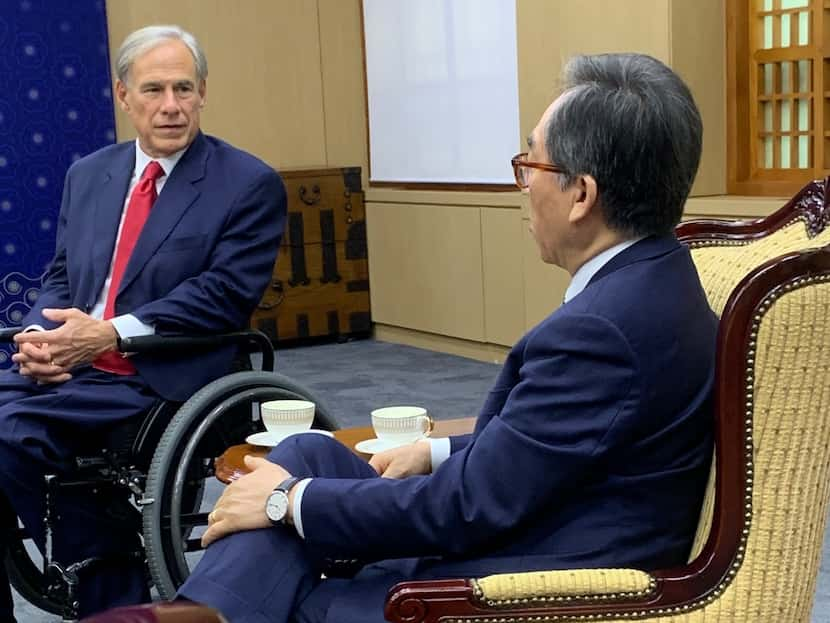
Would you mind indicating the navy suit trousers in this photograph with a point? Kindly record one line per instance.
(42, 429)
(271, 575)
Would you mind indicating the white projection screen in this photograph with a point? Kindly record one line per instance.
(442, 90)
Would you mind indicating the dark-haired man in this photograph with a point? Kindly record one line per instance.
(592, 449)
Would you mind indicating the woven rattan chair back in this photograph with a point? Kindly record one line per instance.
(789, 401)
(722, 262)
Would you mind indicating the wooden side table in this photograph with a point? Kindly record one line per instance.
(231, 466)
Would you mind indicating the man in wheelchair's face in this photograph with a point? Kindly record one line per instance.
(162, 97)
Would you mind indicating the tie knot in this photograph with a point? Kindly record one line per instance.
(153, 171)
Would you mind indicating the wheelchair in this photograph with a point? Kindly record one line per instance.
(162, 462)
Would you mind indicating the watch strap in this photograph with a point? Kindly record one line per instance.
(286, 485)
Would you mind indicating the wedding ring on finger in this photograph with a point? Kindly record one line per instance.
(212, 517)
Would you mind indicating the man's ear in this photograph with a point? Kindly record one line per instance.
(585, 191)
(203, 93)
(121, 95)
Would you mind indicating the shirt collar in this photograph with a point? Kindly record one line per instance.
(590, 268)
(167, 163)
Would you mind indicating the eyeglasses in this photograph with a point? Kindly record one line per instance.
(521, 165)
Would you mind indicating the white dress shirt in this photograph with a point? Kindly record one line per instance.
(128, 325)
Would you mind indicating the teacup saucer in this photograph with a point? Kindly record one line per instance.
(375, 445)
(269, 439)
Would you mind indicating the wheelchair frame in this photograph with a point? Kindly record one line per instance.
(164, 470)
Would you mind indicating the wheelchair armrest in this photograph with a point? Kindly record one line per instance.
(250, 341)
(7, 333)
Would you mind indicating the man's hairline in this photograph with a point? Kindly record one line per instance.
(197, 83)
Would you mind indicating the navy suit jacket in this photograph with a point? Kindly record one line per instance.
(202, 261)
(592, 449)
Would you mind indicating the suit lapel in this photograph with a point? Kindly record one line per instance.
(176, 198)
(109, 204)
(647, 248)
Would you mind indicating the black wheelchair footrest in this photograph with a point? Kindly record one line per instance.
(63, 581)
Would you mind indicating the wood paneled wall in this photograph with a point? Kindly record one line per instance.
(517, 289)
(456, 271)
(698, 54)
(285, 77)
(688, 36)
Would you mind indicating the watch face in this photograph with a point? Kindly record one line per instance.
(276, 506)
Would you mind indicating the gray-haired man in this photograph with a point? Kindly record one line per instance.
(175, 232)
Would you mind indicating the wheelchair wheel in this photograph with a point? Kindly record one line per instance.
(24, 565)
(216, 417)
(25, 576)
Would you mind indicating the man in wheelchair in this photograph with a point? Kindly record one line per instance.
(173, 233)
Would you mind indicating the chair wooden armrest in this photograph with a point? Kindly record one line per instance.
(172, 612)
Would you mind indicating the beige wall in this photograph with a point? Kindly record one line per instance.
(512, 290)
(550, 32)
(285, 79)
(430, 290)
(688, 35)
(698, 54)
(456, 271)
(437, 272)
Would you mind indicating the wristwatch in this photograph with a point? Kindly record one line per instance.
(276, 506)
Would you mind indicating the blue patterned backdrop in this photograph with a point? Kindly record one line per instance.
(55, 106)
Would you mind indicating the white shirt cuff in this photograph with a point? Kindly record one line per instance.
(33, 327)
(130, 326)
(299, 489)
(439, 451)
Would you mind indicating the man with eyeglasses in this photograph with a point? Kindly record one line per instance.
(593, 447)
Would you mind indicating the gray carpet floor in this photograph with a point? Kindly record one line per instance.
(355, 377)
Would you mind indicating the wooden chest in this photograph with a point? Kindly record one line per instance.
(320, 285)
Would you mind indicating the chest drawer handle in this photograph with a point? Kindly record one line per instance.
(276, 286)
(313, 198)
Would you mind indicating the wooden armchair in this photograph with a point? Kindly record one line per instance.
(758, 546)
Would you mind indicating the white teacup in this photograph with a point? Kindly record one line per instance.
(400, 425)
(284, 417)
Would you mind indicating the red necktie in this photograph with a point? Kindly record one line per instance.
(138, 209)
